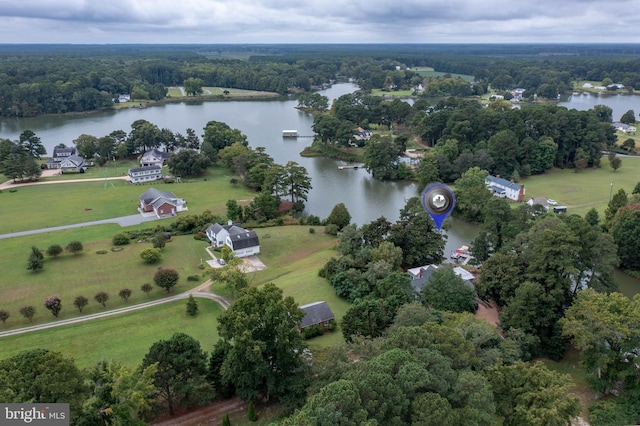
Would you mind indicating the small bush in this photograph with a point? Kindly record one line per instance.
(13, 190)
(313, 331)
(120, 240)
(332, 325)
(331, 229)
(312, 230)
(102, 252)
(193, 278)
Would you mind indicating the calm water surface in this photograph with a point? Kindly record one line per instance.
(263, 121)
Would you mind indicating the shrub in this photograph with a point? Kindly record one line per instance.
(146, 288)
(331, 229)
(166, 278)
(80, 302)
(125, 294)
(312, 230)
(54, 250)
(54, 304)
(192, 306)
(312, 331)
(74, 247)
(193, 278)
(102, 252)
(4, 316)
(151, 255)
(101, 297)
(251, 415)
(120, 239)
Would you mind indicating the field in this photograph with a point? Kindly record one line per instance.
(291, 268)
(177, 92)
(88, 201)
(125, 338)
(430, 72)
(586, 189)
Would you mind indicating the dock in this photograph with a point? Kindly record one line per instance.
(463, 254)
(350, 166)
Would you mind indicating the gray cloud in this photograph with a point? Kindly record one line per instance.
(317, 21)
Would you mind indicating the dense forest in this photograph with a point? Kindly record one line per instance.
(53, 79)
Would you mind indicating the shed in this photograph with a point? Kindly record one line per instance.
(317, 313)
(289, 133)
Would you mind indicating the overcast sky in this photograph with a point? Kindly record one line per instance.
(319, 21)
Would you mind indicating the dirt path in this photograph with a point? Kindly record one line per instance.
(210, 415)
(201, 291)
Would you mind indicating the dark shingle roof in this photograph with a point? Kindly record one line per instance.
(243, 239)
(152, 194)
(317, 313)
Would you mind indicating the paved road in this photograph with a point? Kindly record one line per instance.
(123, 221)
(196, 292)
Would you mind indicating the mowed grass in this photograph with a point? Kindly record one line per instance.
(87, 274)
(175, 92)
(584, 190)
(125, 338)
(49, 205)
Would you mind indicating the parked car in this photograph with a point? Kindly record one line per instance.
(552, 202)
(221, 261)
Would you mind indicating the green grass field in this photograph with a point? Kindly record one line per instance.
(175, 92)
(125, 338)
(586, 189)
(88, 201)
(430, 72)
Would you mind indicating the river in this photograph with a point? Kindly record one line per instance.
(263, 121)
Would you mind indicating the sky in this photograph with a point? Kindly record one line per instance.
(318, 21)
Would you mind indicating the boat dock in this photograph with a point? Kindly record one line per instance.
(463, 254)
(349, 166)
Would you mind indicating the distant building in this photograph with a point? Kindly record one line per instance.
(154, 157)
(72, 163)
(145, 174)
(421, 275)
(622, 127)
(504, 189)
(60, 154)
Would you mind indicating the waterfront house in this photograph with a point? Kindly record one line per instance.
(72, 164)
(421, 275)
(59, 154)
(503, 188)
(154, 157)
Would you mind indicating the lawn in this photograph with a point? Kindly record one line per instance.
(87, 273)
(125, 338)
(586, 189)
(430, 72)
(175, 92)
(77, 202)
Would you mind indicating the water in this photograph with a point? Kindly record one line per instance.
(619, 102)
(262, 121)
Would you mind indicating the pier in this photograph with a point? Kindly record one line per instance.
(463, 254)
(349, 166)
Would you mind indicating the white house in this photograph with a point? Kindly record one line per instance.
(539, 200)
(243, 242)
(59, 154)
(421, 275)
(504, 189)
(145, 174)
(622, 127)
(154, 158)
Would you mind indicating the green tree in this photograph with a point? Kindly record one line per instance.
(415, 233)
(592, 217)
(339, 216)
(74, 247)
(297, 181)
(159, 240)
(125, 294)
(445, 291)
(32, 144)
(472, 193)
(366, 317)
(532, 395)
(146, 288)
(604, 328)
(382, 157)
(219, 135)
(256, 363)
(28, 312)
(119, 395)
(618, 200)
(225, 420)
(102, 297)
(503, 147)
(193, 86)
(35, 262)
(614, 161)
(188, 162)
(80, 302)
(233, 277)
(629, 145)
(166, 278)
(192, 306)
(234, 210)
(181, 378)
(4, 316)
(427, 171)
(54, 304)
(54, 250)
(625, 229)
(431, 409)
(251, 413)
(121, 239)
(41, 376)
(628, 117)
(86, 145)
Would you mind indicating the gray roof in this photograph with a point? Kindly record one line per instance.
(145, 168)
(503, 182)
(152, 194)
(241, 238)
(317, 313)
(157, 153)
(215, 228)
